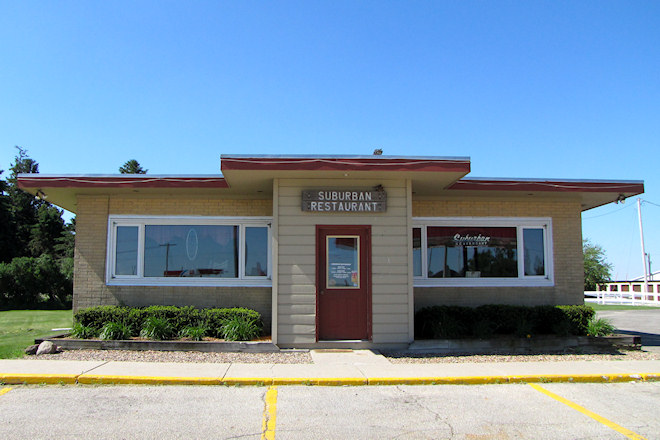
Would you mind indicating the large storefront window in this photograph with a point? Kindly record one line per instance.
(471, 252)
(190, 251)
(486, 251)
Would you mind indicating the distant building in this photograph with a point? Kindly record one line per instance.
(655, 276)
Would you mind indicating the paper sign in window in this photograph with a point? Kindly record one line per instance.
(342, 259)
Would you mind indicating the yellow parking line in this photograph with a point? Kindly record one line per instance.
(4, 391)
(591, 414)
(270, 415)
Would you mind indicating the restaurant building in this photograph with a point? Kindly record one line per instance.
(333, 251)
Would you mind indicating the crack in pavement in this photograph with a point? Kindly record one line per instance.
(417, 401)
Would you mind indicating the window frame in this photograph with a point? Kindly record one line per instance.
(114, 221)
(520, 223)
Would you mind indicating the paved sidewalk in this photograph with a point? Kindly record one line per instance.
(358, 367)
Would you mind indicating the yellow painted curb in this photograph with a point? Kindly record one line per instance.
(90, 379)
(439, 380)
(28, 378)
(650, 376)
(247, 381)
(321, 381)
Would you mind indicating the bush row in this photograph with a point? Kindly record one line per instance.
(165, 322)
(449, 322)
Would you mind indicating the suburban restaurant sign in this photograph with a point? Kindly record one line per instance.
(471, 240)
(344, 200)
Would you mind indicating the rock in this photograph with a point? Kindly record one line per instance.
(32, 349)
(46, 347)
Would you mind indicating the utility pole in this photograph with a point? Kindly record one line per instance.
(641, 236)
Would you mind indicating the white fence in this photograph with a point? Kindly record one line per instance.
(626, 292)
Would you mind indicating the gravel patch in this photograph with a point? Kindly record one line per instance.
(284, 357)
(568, 355)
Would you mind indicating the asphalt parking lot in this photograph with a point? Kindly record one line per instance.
(643, 322)
(545, 411)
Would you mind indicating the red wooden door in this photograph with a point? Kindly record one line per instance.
(343, 282)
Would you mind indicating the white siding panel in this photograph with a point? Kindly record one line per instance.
(298, 329)
(297, 259)
(298, 309)
(297, 269)
(298, 299)
(390, 328)
(391, 318)
(384, 298)
(383, 220)
(299, 249)
(390, 308)
(297, 319)
(378, 270)
(297, 280)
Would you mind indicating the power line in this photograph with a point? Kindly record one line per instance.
(650, 203)
(607, 213)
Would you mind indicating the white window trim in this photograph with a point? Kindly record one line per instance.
(142, 220)
(519, 223)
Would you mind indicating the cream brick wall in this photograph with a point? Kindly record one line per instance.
(89, 287)
(567, 247)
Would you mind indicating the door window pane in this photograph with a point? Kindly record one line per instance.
(534, 252)
(343, 269)
(472, 252)
(191, 251)
(256, 251)
(126, 250)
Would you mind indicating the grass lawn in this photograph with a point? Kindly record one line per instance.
(604, 307)
(19, 328)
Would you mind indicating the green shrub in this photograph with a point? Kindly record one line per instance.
(157, 328)
(439, 322)
(194, 333)
(240, 328)
(97, 317)
(561, 328)
(600, 327)
(578, 317)
(83, 332)
(484, 329)
(216, 318)
(178, 317)
(524, 327)
(115, 331)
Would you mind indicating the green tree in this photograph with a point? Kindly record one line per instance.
(6, 225)
(597, 271)
(65, 244)
(36, 247)
(132, 167)
(24, 207)
(47, 230)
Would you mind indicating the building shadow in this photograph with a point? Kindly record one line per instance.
(648, 339)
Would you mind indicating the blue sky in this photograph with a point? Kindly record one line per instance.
(526, 89)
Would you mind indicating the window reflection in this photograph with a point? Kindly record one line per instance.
(191, 251)
(534, 252)
(256, 251)
(471, 252)
(417, 252)
(126, 250)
